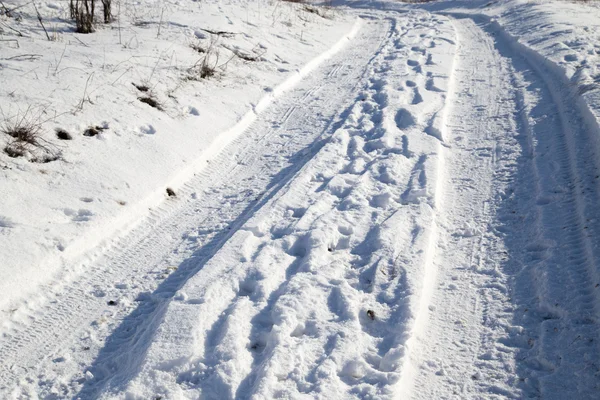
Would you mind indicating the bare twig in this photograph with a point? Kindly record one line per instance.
(41, 23)
(70, 68)
(28, 56)
(81, 41)
(32, 70)
(119, 20)
(25, 136)
(160, 23)
(219, 33)
(120, 76)
(80, 106)
(21, 6)
(255, 55)
(11, 40)
(6, 10)
(223, 66)
(154, 69)
(60, 60)
(13, 29)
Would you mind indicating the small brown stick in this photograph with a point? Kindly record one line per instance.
(41, 23)
(13, 29)
(60, 60)
(119, 20)
(80, 106)
(81, 41)
(29, 56)
(6, 10)
(219, 33)
(160, 23)
(11, 40)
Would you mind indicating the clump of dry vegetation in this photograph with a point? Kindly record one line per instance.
(206, 67)
(94, 130)
(23, 134)
(83, 13)
(151, 101)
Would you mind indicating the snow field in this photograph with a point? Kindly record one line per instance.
(62, 214)
(416, 218)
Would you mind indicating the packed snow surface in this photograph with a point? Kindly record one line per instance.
(374, 200)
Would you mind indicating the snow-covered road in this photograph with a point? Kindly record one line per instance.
(515, 302)
(417, 218)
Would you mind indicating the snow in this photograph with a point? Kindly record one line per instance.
(396, 201)
(103, 185)
(326, 278)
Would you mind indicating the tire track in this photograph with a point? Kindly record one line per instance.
(515, 313)
(144, 273)
(331, 229)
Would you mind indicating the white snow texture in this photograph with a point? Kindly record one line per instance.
(363, 200)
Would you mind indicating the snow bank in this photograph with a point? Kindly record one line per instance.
(108, 178)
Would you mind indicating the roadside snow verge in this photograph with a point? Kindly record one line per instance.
(93, 240)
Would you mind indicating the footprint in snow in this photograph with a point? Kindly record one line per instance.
(81, 215)
(417, 98)
(6, 222)
(192, 111)
(380, 200)
(297, 212)
(147, 129)
(404, 119)
(200, 35)
(430, 86)
(345, 230)
(98, 292)
(418, 49)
